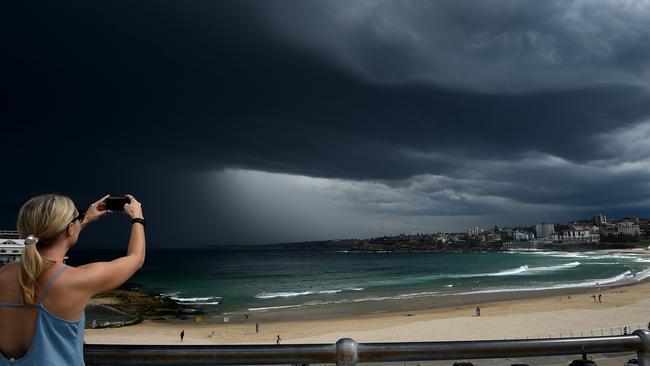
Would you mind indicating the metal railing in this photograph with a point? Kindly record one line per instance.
(346, 352)
(626, 328)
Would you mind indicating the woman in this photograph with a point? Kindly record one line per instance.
(42, 300)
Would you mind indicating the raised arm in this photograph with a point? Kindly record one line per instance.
(104, 276)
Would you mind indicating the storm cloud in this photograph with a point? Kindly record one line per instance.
(341, 118)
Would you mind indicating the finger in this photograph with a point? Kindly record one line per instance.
(101, 199)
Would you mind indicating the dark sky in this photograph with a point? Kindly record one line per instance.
(248, 122)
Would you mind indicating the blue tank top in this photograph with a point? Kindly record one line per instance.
(56, 341)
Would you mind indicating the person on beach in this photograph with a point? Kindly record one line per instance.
(600, 297)
(182, 334)
(593, 296)
(277, 341)
(42, 299)
(478, 311)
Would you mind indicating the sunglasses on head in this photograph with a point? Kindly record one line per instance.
(80, 216)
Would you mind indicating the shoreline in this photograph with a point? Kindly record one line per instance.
(149, 306)
(522, 318)
(140, 304)
(542, 314)
(152, 306)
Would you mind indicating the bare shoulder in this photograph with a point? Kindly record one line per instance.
(77, 279)
(89, 267)
(78, 274)
(96, 277)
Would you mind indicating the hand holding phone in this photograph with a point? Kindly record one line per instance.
(116, 203)
(133, 208)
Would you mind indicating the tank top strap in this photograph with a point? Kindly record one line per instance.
(10, 305)
(50, 284)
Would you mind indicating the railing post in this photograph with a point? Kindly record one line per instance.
(346, 352)
(644, 355)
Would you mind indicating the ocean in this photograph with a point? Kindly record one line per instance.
(271, 282)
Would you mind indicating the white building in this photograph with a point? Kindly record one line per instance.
(476, 231)
(577, 236)
(520, 236)
(628, 228)
(11, 246)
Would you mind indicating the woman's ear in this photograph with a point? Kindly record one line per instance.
(70, 229)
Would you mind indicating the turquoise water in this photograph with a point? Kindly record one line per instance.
(261, 280)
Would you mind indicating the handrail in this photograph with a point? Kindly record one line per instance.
(346, 352)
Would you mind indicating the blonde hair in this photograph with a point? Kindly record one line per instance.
(45, 217)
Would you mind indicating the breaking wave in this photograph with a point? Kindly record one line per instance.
(209, 300)
(346, 301)
(523, 270)
(624, 277)
(273, 295)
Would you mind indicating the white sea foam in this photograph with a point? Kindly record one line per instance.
(194, 299)
(522, 270)
(380, 298)
(613, 256)
(274, 308)
(626, 276)
(562, 254)
(588, 255)
(273, 295)
(558, 267)
(509, 272)
(642, 275)
(623, 277)
(348, 301)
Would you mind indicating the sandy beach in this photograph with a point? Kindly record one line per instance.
(568, 314)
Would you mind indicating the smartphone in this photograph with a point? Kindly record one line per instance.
(116, 203)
